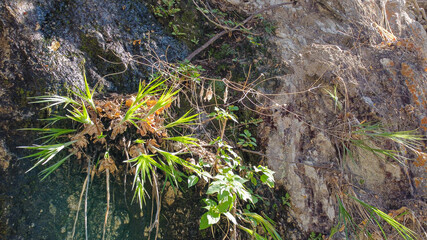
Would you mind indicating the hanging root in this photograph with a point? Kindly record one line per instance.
(108, 201)
(86, 194)
(78, 208)
(127, 168)
(158, 205)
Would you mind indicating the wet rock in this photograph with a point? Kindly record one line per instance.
(171, 194)
(42, 46)
(5, 156)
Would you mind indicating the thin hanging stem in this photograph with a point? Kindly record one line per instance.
(86, 195)
(108, 201)
(223, 124)
(78, 208)
(233, 212)
(127, 168)
(158, 204)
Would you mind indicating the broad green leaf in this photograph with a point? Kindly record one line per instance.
(267, 180)
(244, 195)
(204, 222)
(213, 217)
(225, 202)
(192, 180)
(233, 108)
(209, 203)
(213, 188)
(254, 181)
(205, 176)
(254, 199)
(231, 217)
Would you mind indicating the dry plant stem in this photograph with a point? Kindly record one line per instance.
(253, 152)
(158, 204)
(418, 9)
(127, 168)
(210, 20)
(108, 201)
(86, 194)
(224, 124)
(213, 233)
(233, 212)
(78, 208)
(223, 128)
(228, 230)
(222, 33)
(117, 63)
(151, 215)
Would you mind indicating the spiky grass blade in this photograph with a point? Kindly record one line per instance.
(372, 132)
(149, 89)
(46, 172)
(130, 113)
(173, 175)
(184, 139)
(346, 218)
(403, 231)
(85, 95)
(266, 224)
(164, 100)
(175, 159)
(82, 117)
(52, 120)
(46, 152)
(184, 119)
(252, 233)
(54, 100)
(144, 165)
(409, 139)
(379, 152)
(49, 133)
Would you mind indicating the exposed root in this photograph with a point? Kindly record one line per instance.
(86, 195)
(78, 208)
(158, 204)
(108, 201)
(127, 168)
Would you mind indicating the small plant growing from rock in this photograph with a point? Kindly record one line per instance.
(247, 140)
(117, 130)
(119, 135)
(364, 136)
(229, 187)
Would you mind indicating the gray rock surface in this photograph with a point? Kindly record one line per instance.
(337, 43)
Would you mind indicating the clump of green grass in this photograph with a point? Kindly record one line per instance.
(364, 135)
(373, 215)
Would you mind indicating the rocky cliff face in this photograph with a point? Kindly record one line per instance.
(368, 54)
(379, 74)
(42, 46)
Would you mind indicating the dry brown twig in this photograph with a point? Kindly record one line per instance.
(229, 30)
